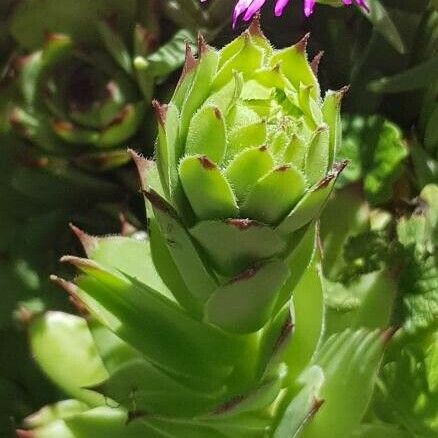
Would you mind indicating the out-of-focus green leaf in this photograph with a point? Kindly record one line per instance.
(408, 394)
(382, 22)
(417, 77)
(419, 279)
(377, 150)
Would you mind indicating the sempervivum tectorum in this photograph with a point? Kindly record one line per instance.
(213, 327)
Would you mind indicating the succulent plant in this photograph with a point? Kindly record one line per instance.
(85, 75)
(213, 325)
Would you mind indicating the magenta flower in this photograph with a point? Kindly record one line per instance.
(248, 8)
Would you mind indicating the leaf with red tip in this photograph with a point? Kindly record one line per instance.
(248, 167)
(350, 361)
(198, 280)
(236, 244)
(63, 347)
(246, 303)
(317, 156)
(199, 89)
(331, 110)
(168, 146)
(207, 189)
(138, 314)
(295, 66)
(247, 60)
(311, 204)
(274, 195)
(186, 78)
(207, 134)
(303, 406)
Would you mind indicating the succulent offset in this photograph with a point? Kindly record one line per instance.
(213, 326)
(85, 76)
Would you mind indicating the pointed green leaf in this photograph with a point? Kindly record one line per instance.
(274, 195)
(308, 304)
(245, 303)
(207, 134)
(168, 150)
(235, 245)
(196, 277)
(74, 134)
(200, 87)
(208, 191)
(115, 45)
(294, 65)
(295, 152)
(331, 110)
(317, 157)
(246, 168)
(350, 362)
(247, 60)
(129, 255)
(303, 406)
(63, 347)
(311, 204)
(136, 313)
(139, 386)
(241, 138)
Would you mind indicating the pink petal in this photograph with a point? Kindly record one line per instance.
(253, 8)
(239, 9)
(309, 6)
(279, 7)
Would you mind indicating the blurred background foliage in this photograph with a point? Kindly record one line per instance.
(76, 80)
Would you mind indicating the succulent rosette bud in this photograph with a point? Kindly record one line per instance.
(212, 327)
(254, 161)
(84, 79)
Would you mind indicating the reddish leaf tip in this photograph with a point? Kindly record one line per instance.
(190, 63)
(333, 174)
(242, 224)
(160, 111)
(316, 406)
(245, 275)
(143, 166)
(69, 287)
(206, 163)
(79, 262)
(202, 44)
(55, 36)
(285, 332)
(88, 242)
(158, 202)
(282, 168)
(388, 334)
(126, 228)
(314, 64)
(21, 433)
(343, 91)
(301, 45)
(255, 28)
(229, 405)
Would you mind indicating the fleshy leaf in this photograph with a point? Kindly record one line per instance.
(208, 191)
(207, 134)
(63, 347)
(245, 303)
(236, 244)
(286, 182)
